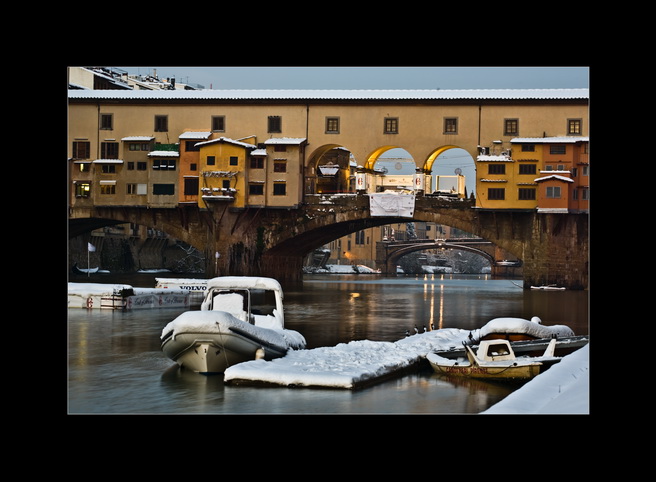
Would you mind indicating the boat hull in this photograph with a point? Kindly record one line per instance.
(209, 342)
(211, 353)
(498, 372)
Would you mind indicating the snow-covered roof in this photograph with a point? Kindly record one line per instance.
(554, 176)
(138, 138)
(228, 140)
(163, 154)
(549, 140)
(329, 94)
(285, 140)
(259, 152)
(195, 135)
(493, 158)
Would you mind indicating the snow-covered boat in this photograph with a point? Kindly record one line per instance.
(548, 288)
(240, 319)
(494, 360)
(517, 329)
(78, 270)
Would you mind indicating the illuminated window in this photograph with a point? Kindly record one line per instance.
(82, 189)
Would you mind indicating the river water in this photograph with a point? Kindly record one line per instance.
(115, 365)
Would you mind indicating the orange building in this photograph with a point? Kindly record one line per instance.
(563, 180)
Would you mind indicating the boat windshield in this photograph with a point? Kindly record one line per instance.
(263, 302)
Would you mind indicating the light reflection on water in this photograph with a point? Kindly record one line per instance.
(116, 365)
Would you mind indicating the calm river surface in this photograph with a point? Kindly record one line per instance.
(115, 365)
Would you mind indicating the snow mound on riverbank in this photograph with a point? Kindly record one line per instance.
(563, 389)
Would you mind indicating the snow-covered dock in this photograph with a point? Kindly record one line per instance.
(346, 365)
(124, 297)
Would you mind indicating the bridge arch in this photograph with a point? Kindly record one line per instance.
(376, 153)
(428, 164)
(328, 170)
(394, 257)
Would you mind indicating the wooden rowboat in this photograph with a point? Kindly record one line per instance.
(495, 360)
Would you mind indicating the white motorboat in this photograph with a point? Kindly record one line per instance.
(240, 319)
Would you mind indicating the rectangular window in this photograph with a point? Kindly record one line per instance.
(526, 194)
(553, 192)
(257, 163)
(359, 237)
(496, 168)
(161, 123)
(528, 147)
(211, 160)
(498, 194)
(82, 189)
(280, 148)
(191, 186)
(527, 169)
(164, 163)
(130, 166)
(190, 146)
(274, 124)
(81, 150)
(142, 165)
(585, 193)
(557, 149)
(108, 168)
(108, 189)
(234, 161)
(164, 189)
(193, 166)
(136, 146)
(450, 125)
(280, 166)
(256, 189)
(279, 189)
(226, 184)
(574, 127)
(106, 121)
(109, 150)
(85, 167)
(218, 123)
(511, 127)
(332, 125)
(391, 125)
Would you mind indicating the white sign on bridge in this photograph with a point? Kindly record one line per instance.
(392, 204)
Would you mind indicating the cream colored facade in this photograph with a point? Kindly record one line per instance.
(424, 124)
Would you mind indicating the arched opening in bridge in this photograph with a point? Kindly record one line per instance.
(443, 258)
(330, 170)
(397, 168)
(115, 247)
(445, 164)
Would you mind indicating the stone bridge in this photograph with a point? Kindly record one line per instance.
(389, 253)
(553, 248)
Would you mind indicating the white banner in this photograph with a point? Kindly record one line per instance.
(91, 247)
(391, 204)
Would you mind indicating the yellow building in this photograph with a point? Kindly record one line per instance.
(223, 171)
